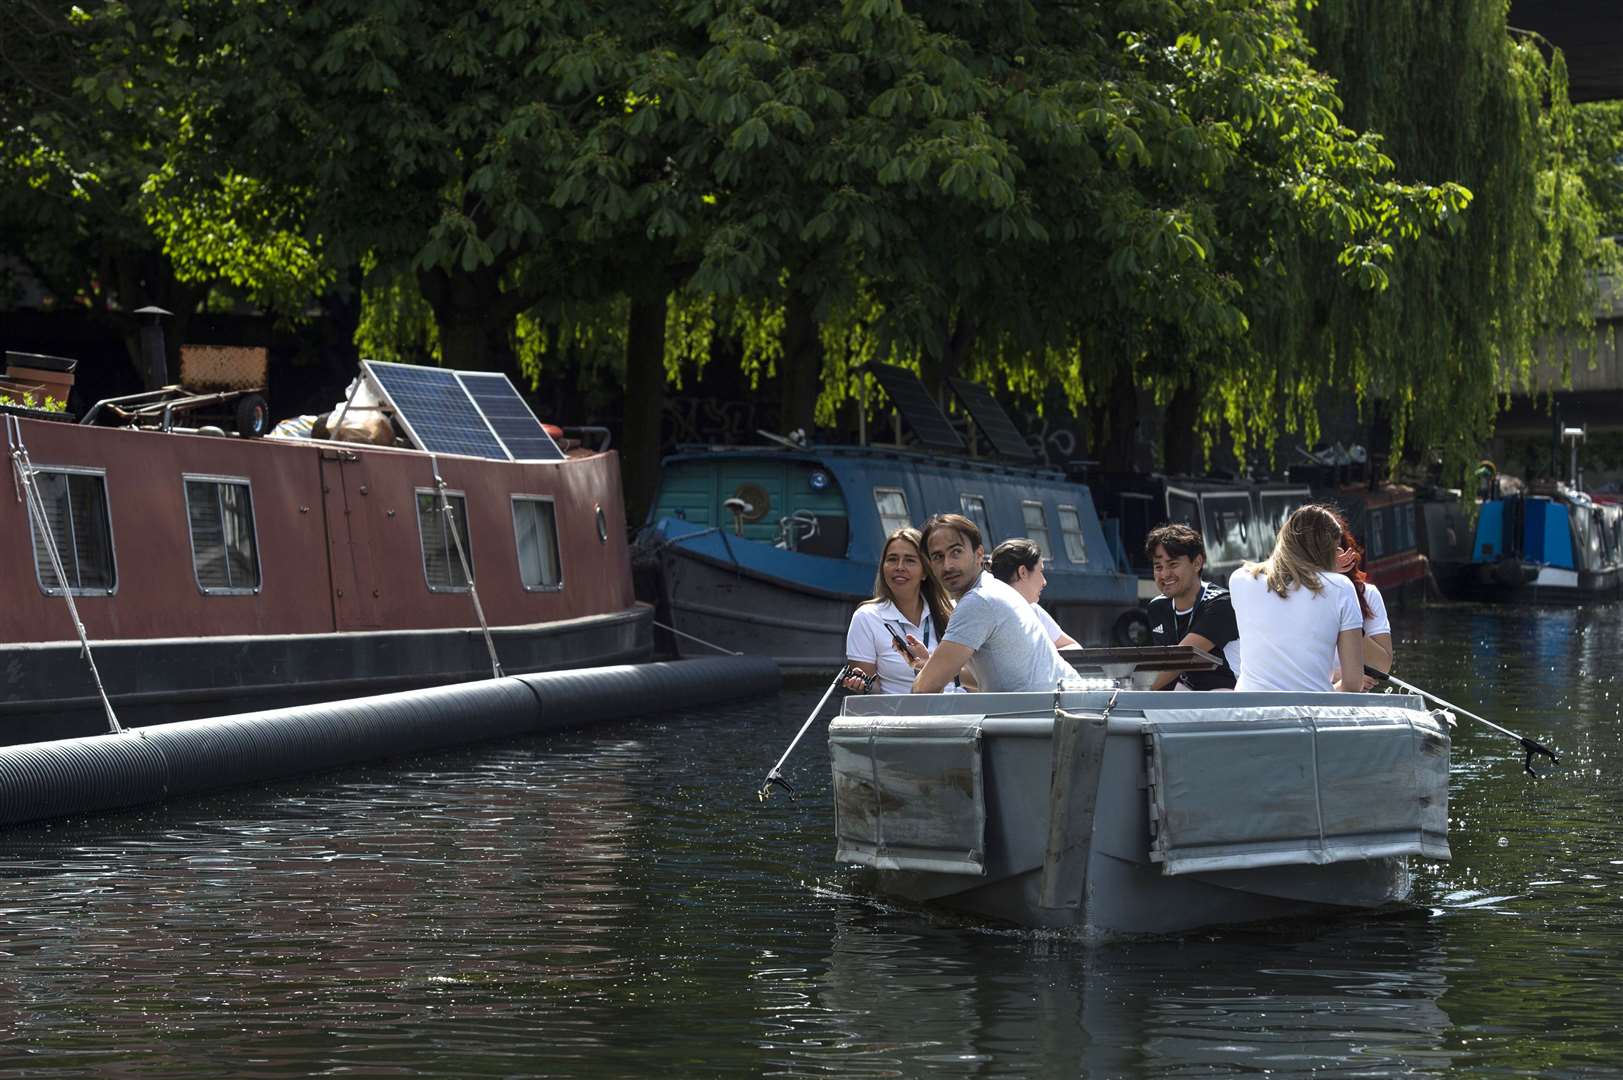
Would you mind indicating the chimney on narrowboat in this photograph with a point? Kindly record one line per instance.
(154, 364)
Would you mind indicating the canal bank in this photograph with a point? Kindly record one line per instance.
(616, 902)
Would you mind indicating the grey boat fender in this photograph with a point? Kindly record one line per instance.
(144, 765)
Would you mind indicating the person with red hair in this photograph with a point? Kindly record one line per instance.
(1377, 627)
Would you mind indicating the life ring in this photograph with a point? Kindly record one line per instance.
(1132, 628)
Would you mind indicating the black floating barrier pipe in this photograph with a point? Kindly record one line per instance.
(149, 764)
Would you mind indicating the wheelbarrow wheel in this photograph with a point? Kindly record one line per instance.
(253, 416)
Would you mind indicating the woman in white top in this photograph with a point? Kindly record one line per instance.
(1018, 563)
(907, 597)
(1377, 627)
(1295, 614)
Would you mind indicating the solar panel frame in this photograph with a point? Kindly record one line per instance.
(525, 439)
(1006, 439)
(929, 424)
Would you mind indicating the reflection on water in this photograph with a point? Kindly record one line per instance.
(616, 902)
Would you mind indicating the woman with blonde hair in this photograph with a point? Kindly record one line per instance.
(907, 600)
(1296, 615)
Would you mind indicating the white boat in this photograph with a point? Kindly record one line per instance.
(1112, 811)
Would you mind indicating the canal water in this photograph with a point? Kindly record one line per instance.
(616, 902)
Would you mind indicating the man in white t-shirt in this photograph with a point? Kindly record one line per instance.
(993, 629)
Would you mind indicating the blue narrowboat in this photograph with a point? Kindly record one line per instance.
(770, 549)
(1546, 548)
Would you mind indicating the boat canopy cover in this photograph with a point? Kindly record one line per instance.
(1295, 785)
(908, 795)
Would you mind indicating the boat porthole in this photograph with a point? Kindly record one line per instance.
(602, 526)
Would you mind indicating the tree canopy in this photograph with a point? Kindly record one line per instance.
(1090, 196)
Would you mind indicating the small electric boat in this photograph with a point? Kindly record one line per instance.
(1112, 811)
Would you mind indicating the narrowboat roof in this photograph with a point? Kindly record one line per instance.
(847, 453)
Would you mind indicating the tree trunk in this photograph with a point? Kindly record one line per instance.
(800, 372)
(461, 320)
(473, 315)
(640, 442)
(1115, 427)
(955, 346)
(1180, 446)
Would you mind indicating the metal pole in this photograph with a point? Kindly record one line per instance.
(775, 776)
(1532, 746)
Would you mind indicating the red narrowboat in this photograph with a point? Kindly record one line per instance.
(214, 574)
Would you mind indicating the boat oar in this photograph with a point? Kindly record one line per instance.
(776, 777)
(1532, 746)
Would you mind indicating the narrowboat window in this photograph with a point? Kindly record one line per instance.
(1137, 512)
(1230, 534)
(1070, 531)
(1406, 529)
(892, 506)
(535, 528)
(1375, 543)
(75, 508)
(441, 566)
(1037, 527)
(225, 551)
(974, 508)
(1183, 509)
(1275, 509)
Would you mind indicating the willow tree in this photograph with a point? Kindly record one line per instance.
(1458, 95)
(1090, 195)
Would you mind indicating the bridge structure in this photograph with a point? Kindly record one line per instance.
(1590, 392)
(1588, 32)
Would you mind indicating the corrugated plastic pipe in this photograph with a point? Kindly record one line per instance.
(149, 764)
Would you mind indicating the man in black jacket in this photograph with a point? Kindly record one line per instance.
(1190, 611)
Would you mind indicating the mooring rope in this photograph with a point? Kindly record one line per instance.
(695, 637)
(467, 572)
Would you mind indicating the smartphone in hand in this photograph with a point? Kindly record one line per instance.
(899, 635)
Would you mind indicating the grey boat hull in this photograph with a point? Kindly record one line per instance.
(1036, 849)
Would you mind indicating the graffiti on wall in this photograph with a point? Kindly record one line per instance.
(712, 421)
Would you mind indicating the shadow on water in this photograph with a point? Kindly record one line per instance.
(616, 902)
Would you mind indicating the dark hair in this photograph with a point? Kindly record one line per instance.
(1009, 556)
(1179, 539)
(957, 523)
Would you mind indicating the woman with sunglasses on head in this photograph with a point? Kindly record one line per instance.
(907, 598)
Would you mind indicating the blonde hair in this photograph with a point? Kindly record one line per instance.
(935, 597)
(1306, 548)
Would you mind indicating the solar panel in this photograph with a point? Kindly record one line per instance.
(917, 407)
(435, 411)
(992, 420)
(510, 418)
